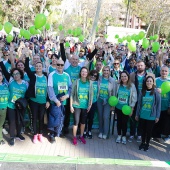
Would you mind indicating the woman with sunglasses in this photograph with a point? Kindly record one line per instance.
(4, 93)
(115, 73)
(93, 76)
(106, 88)
(37, 93)
(80, 103)
(148, 110)
(52, 66)
(127, 95)
(17, 89)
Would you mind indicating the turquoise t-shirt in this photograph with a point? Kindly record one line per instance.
(83, 95)
(140, 82)
(60, 83)
(123, 96)
(51, 69)
(7, 65)
(73, 72)
(4, 96)
(26, 78)
(16, 91)
(169, 74)
(32, 68)
(116, 75)
(165, 98)
(41, 90)
(147, 102)
(95, 91)
(103, 94)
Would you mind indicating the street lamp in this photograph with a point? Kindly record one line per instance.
(107, 24)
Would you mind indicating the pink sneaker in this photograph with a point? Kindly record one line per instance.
(35, 139)
(40, 138)
(74, 141)
(82, 140)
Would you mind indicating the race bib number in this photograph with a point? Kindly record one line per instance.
(62, 86)
(123, 100)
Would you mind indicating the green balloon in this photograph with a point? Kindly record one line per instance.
(40, 20)
(120, 40)
(155, 37)
(69, 31)
(151, 37)
(19, 36)
(113, 101)
(9, 38)
(128, 38)
(27, 34)
(133, 36)
(79, 31)
(136, 38)
(132, 46)
(106, 36)
(145, 43)
(141, 35)
(32, 30)
(67, 44)
(22, 32)
(60, 27)
(116, 36)
(165, 87)
(74, 33)
(127, 110)
(47, 26)
(1, 26)
(8, 27)
(81, 38)
(155, 47)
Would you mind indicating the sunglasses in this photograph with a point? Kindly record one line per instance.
(16, 74)
(60, 65)
(5, 55)
(116, 63)
(94, 75)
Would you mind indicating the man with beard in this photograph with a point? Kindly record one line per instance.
(137, 78)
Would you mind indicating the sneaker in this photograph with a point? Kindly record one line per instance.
(52, 139)
(139, 139)
(4, 131)
(104, 136)
(161, 140)
(167, 139)
(12, 142)
(131, 139)
(40, 138)
(124, 140)
(82, 140)
(20, 137)
(85, 134)
(146, 147)
(2, 142)
(90, 135)
(35, 139)
(100, 135)
(142, 146)
(74, 141)
(22, 130)
(118, 140)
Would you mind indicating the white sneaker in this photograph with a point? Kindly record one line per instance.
(124, 140)
(4, 131)
(131, 139)
(118, 140)
(100, 135)
(104, 136)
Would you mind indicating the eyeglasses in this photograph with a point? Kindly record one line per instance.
(116, 63)
(16, 74)
(60, 65)
(94, 75)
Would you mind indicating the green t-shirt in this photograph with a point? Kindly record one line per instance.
(4, 96)
(32, 68)
(140, 82)
(73, 72)
(16, 91)
(95, 91)
(83, 95)
(165, 98)
(26, 78)
(51, 69)
(60, 83)
(41, 89)
(7, 65)
(103, 94)
(123, 96)
(147, 102)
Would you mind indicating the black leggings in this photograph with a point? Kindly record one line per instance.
(121, 122)
(67, 114)
(79, 115)
(146, 127)
(13, 122)
(38, 111)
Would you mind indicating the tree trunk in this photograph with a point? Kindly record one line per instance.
(43, 4)
(93, 32)
(148, 28)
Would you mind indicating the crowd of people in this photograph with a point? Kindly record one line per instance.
(44, 76)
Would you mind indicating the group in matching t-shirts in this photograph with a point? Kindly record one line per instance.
(81, 82)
